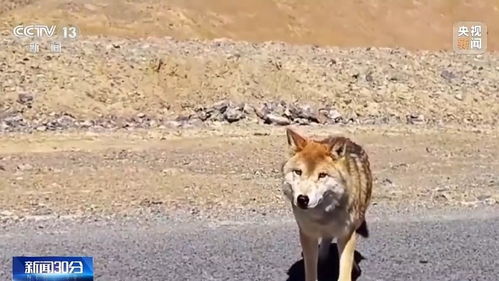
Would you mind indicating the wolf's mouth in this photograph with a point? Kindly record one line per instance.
(310, 207)
(321, 200)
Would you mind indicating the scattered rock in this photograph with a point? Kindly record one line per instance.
(483, 197)
(86, 124)
(277, 108)
(25, 99)
(217, 116)
(14, 121)
(6, 213)
(277, 120)
(24, 167)
(41, 128)
(416, 119)
(307, 112)
(322, 118)
(447, 75)
(302, 121)
(278, 113)
(173, 124)
(331, 115)
(65, 121)
(152, 123)
(442, 189)
(183, 118)
(233, 114)
(490, 201)
(387, 183)
(262, 111)
(194, 122)
(221, 106)
(203, 115)
(261, 134)
(219, 112)
(248, 109)
(369, 77)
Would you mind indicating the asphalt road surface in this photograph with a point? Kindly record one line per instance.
(457, 246)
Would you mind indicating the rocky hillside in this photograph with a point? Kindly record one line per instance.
(129, 74)
(166, 79)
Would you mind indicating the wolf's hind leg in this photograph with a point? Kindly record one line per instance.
(324, 248)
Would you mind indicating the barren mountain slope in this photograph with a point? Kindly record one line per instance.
(415, 24)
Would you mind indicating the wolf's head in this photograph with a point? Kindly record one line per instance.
(313, 175)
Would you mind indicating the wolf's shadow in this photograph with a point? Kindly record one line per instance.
(328, 270)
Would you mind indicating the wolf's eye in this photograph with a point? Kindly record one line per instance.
(297, 172)
(322, 175)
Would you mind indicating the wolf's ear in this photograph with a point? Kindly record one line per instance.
(339, 151)
(295, 140)
(338, 147)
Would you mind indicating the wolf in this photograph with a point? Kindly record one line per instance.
(328, 183)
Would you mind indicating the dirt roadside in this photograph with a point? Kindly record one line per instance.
(217, 170)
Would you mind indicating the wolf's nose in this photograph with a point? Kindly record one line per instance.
(302, 201)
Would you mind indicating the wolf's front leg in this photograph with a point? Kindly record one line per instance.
(310, 256)
(346, 250)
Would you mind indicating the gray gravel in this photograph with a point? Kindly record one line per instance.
(444, 246)
(108, 82)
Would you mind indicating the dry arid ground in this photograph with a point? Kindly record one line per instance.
(229, 171)
(118, 123)
(412, 24)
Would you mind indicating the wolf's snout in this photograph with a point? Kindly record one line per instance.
(302, 201)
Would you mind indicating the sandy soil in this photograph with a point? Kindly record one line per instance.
(229, 168)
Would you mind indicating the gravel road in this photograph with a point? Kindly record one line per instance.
(432, 245)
